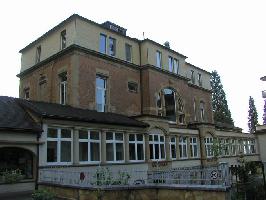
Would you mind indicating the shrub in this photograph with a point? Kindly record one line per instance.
(12, 176)
(42, 195)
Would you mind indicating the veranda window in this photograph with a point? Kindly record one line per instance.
(182, 147)
(114, 147)
(136, 147)
(157, 146)
(173, 147)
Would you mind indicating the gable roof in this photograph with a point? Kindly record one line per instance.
(65, 112)
(14, 117)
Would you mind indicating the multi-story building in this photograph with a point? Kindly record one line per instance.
(123, 101)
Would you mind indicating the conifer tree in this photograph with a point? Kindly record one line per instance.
(264, 113)
(221, 111)
(252, 116)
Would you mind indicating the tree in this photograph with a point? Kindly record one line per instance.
(264, 113)
(220, 108)
(252, 116)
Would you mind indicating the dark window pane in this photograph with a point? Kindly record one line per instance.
(65, 151)
(52, 133)
(109, 135)
(131, 137)
(132, 155)
(132, 87)
(109, 152)
(156, 138)
(161, 138)
(83, 151)
(139, 137)
(119, 152)
(156, 151)
(140, 152)
(94, 135)
(51, 151)
(172, 139)
(65, 133)
(162, 151)
(151, 151)
(95, 151)
(150, 137)
(173, 151)
(83, 134)
(119, 136)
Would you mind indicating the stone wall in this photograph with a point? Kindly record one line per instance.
(147, 193)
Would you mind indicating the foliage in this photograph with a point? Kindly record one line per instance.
(12, 176)
(219, 103)
(252, 116)
(43, 195)
(264, 113)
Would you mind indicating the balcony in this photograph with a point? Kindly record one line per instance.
(264, 94)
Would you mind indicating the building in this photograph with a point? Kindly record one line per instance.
(103, 98)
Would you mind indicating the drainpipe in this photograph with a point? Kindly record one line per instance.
(38, 154)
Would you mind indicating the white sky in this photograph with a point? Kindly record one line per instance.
(227, 35)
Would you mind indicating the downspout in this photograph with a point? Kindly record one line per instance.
(38, 154)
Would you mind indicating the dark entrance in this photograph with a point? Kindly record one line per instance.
(12, 158)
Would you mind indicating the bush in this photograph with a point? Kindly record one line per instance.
(12, 176)
(42, 195)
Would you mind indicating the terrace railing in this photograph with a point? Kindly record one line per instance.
(105, 177)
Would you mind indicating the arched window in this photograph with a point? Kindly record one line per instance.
(170, 105)
(202, 111)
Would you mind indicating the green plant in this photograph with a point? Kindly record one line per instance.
(42, 195)
(12, 176)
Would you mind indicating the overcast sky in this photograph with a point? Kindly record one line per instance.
(227, 35)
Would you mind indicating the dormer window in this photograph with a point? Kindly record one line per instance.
(38, 54)
(192, 76)
(102, 43)
(63, 39)
(112, 46)
(199, 79)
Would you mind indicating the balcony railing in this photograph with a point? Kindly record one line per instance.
(104, 177)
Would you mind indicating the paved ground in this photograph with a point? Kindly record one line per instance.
(17, 196)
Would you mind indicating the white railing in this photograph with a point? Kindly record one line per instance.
(105, 177)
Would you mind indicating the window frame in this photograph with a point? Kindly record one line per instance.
(183, 146)
(202, 111)
(114, 142)
(199, 79)
(170, 64)
(159, 143)
(114, 47)
(173, 144)
(105, 43)
(104, 92)
(136, 142)
(89, 141)
(208, 144)
(194, 145)
(158, 58)
(134, 84)
(128, 47)
(58, 141)
(192, 76)
(38, 54)
(27, 93)
(63, 39)
(63, 83)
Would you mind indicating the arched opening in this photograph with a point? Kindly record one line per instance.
(13, 158)
(170, 105)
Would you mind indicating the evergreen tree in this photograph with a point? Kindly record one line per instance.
(264, 113)
(252, 116)
(221, 111)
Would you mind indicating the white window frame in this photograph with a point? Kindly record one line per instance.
(159, 58)
(233, 147)
(252, 146)
(170, 64)
(112, 53)
(240, 146)
(114, 142)
(103, 93)
(64, 85)
(208, 143)
(159, 142)
(128, 47)
(136, 142)
(227, 147)
(173, 144)
(63, 39)
(89, 141)
(202, 111)
(38, 54)
(59, 139)
(105, 43)
(183, 146)
(175, 66)
(194, 145)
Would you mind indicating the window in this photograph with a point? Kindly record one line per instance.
(192, 76)
(182, 147)
(195, 110)
(193, 147)
(132, 87)
(128, 49)
(199, 79)
(102, 43)
(226, 147)
(100, 93)
(233, 147)
(240, 146)
(252, 146)
(245, 145)
(176, 66)
(59, 145)
(63, 88)
(89, 146)
(170, 107)
(208, 146)
(202, 111)
(38, 54)
(27, 93)
(136, 147)
(173, 147)
(112, 46)
(221, 147)
(170, 64)
(63, 39)
(157, 147)
(158, 59)
(180, 111)
(114, 147)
